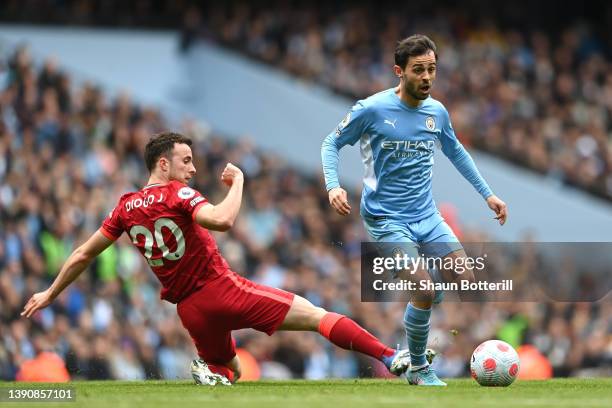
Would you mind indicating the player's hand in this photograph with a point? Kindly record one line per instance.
(500, 208)
(339, 201)
(37, 302)
(230, 174)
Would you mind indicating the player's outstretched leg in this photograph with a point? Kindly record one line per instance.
(343, 332)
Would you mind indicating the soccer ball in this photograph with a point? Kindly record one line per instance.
(494, 363)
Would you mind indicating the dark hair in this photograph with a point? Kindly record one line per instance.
(413, 46)
(160, 145)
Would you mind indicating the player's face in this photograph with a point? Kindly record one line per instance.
(419, 75)
(181, 166)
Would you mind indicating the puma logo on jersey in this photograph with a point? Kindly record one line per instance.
(388, 122)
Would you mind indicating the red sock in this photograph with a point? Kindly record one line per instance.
(345, 333)
(223, 370)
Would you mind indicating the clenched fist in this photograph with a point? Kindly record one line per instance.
(230, 174)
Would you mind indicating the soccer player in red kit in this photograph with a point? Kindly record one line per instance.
(169, 223)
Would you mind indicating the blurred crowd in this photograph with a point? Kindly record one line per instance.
(522, 82)
(542, 99)
(68, 151)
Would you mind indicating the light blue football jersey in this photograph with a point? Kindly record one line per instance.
(397, 145)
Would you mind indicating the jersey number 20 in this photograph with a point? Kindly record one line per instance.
(137, 230)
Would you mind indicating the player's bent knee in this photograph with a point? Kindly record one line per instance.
(424, 296)
(236, 367)
(237, 373)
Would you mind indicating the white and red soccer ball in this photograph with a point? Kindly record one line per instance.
(494, 363)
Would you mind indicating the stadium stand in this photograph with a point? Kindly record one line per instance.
(540, 99)
(522, 84)
(68, 152)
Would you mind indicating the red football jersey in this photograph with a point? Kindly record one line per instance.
(160, 221)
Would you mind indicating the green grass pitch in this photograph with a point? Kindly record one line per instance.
(335, 393)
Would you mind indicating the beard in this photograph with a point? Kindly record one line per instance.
(414, 92)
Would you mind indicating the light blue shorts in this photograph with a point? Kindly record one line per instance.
(430, 236)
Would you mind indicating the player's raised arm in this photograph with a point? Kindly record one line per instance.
(464, 163)
(349, 130)
(74, 265)
(221, 217)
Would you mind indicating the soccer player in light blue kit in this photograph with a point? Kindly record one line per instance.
(398, 130)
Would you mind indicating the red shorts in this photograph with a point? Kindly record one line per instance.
(230, 302)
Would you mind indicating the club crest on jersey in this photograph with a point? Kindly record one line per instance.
(430, 123)
(186, 192)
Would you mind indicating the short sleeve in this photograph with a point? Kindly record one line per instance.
(112, 227)
(353, 126)
(189, 200)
